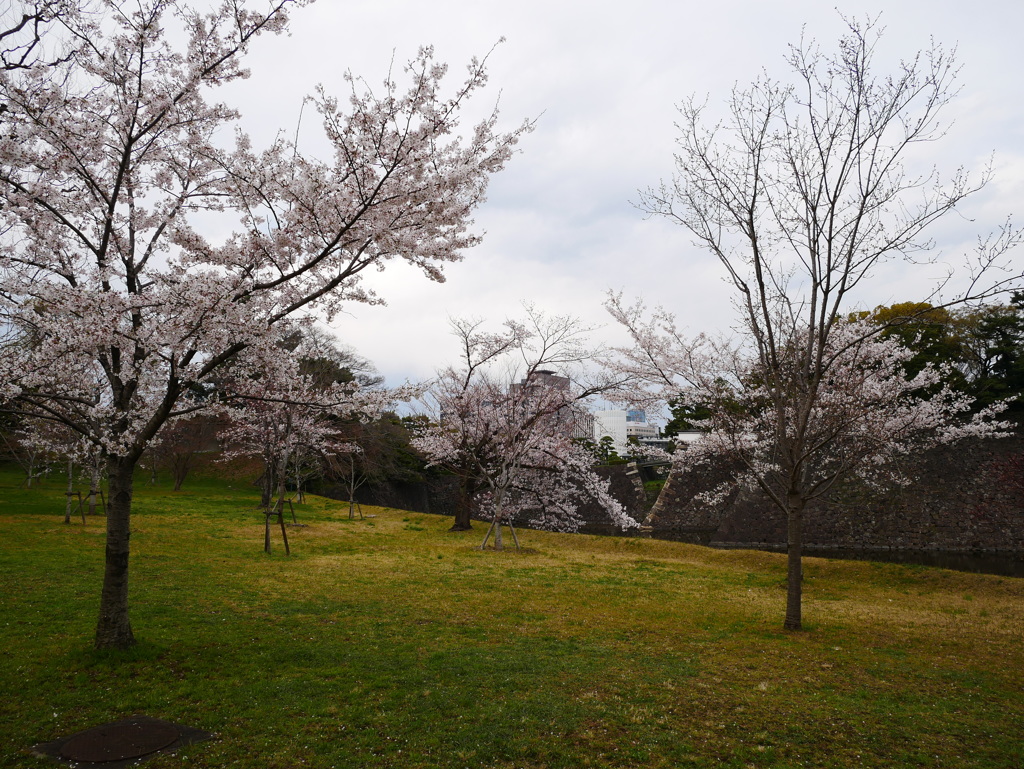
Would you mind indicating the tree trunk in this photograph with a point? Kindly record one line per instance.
(498, 544)
(351, 487)
(794, 577)
(269, 484)
(279, 505)
(499, 500)
(300, 495)
(463, 509)
(182, 463)
(71, 488)
(114, 631)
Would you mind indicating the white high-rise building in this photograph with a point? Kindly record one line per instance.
(621, 425)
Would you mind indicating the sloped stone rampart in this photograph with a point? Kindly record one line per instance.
(679, 507)
(439, 495)
(966, 497)
(626, 485)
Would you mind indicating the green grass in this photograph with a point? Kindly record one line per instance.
(389, 642)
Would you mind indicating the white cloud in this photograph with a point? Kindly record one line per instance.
(603, 79)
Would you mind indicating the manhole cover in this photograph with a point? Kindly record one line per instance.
(121, 741)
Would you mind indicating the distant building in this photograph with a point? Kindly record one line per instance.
(621, 425)
(574, 420)
(686, 436)
(662, 443)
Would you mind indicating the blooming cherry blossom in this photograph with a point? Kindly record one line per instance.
(126, 311)
(509, 432)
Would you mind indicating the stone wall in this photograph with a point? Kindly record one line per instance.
(439, 495)
(626, 485)
(966, 497)
(435, 495)
(678, 507)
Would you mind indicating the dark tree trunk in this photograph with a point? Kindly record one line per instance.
(114, 631)
(464, 507)
(182, 463)
(266, 490)
(794, 576)
(269, 484)
(463, 514)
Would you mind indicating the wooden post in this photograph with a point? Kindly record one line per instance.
(514, 537)
(284, 532)
(270, 512)
(487, 535)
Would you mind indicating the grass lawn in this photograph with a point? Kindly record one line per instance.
(389, 642)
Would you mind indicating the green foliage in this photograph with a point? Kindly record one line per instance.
(390, 642)
(328, 361)
(652, 489)
(606, 450)
(934, 333)
(387, 453)
(982, 347)
(684, 417)
(997, 353)
(603, 451)
(587, 445)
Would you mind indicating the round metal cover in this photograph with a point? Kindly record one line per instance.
(116, 742)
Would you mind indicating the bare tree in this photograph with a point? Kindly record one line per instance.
(181, 440)
(23, 28)
(803, 193)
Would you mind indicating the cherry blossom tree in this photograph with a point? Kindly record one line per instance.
(25, 447)
(38, 444)
(298, 426)
(293, 420)
(792, 433)
(376, 451)
(122, 307)
(506, 424)
(803, 193)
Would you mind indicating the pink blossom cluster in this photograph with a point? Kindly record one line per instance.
(514, 440)
(118, 308)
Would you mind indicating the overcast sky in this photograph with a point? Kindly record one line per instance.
(602, 80)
